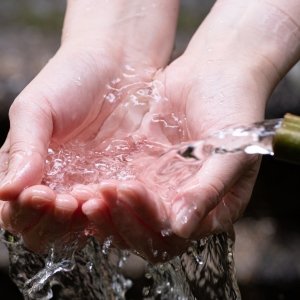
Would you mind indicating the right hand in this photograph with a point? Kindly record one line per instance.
(67, 100)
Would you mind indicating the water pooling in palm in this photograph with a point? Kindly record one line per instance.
(126, 172)
(126, 156)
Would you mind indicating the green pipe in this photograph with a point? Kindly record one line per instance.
(286, 141)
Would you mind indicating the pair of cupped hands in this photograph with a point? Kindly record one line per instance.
(210, 87)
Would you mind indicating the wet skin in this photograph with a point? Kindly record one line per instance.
(210, 89)
(131, 212)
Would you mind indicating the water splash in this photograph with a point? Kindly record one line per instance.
(98, 269)
(204, 271)
(77, 163)
(58, 260)
(251, 139)
(202, 264)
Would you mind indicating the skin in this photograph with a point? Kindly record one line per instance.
(224, 77)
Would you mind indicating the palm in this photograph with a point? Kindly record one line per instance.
(109, 112)
(146, 206)
(164, 110)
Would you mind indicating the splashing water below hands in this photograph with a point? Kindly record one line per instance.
(162, 165)
(205, 271)
(165, 167)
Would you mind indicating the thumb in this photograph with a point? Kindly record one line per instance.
(27, 142)
(197, 208)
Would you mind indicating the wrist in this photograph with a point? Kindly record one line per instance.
(270, 37)
(261, 36)
(139, 30)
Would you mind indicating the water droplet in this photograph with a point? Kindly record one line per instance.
(129, 68)
(184, 219)
(78, 81)
(90, 266)
(115, 81)
(165, 255)
(110, 97)
(146, 291)
(107, 245)
(166, 232)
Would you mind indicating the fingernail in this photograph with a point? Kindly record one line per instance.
(90, 207)
(40, 202)
(64, 208)
(66, 203)
(186, 219)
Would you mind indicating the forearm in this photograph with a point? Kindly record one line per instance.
(146, 27)
(261, 36)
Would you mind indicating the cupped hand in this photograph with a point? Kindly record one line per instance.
(71, 98)
(159, 218)
(62, 102)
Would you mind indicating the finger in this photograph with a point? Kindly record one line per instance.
(24, 213)
(137, 234)
(144, 204)
(30, 131)
(97, 212)
(65, 207)
(232, 206)
(194, 202)
(53, 226)
(68, 211)
(84, 192)
(4, 157)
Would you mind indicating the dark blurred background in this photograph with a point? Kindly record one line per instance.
(267, 251)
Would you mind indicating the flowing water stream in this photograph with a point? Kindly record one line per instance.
(204, 271)
(101, 271)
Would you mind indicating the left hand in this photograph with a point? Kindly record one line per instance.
(136, 214)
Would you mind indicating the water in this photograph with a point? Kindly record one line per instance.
(57, 260)
(137, 157)
(204, 271)
(251, 139)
